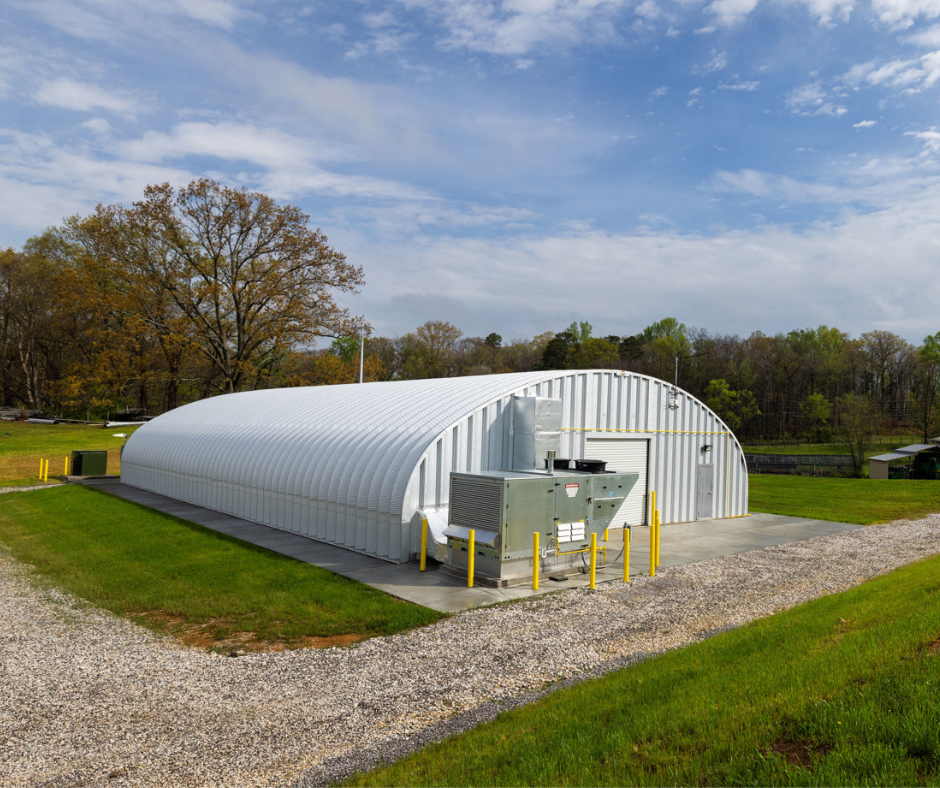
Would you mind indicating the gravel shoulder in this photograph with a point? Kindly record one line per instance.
(88, 699)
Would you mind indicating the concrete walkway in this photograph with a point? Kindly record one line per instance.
(682, 543)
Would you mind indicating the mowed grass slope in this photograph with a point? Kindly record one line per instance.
(859, 501)
(205, 587)
(844, 690)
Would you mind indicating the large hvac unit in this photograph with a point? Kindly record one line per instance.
(506, 508)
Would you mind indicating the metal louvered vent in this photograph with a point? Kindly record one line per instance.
(476, 502)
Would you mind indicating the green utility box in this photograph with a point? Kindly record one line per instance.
(89, 463)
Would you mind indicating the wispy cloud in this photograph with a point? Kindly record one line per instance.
(911, 75)
(82, 97)
(903, 13)
(718, 62)
(812, 100)
(732, 12)
(832, 274)
(286, 164)
(521, 27)
(929, 138)
(747, 87)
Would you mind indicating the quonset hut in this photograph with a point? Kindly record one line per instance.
(360, 465)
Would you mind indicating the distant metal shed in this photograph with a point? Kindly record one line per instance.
(879, 466)
(359, 465)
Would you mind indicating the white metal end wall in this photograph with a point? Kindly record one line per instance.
(354, 465)
(598, 403)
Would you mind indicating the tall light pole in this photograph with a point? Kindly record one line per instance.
(683, 358)
(362, 349)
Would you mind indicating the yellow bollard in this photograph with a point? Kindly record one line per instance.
(423, 560)
(45, 471)
(535, 561)
(653, 546)
(626, 554)
(65, 467)
(593, 559)
(606, 534)
(470, 551)
(40, 469)
(658, 524)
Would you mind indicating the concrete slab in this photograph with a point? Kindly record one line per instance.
(680, 543)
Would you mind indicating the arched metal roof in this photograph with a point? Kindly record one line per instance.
(340, 463)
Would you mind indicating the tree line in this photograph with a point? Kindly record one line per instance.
(207, 289)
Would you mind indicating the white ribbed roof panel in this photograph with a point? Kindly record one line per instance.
(354, 464)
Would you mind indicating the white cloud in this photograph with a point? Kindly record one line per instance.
(929, 38)
(226, 140)
(929, 138)
(41, 182)
(903, 13)
(288, 165)
(718, 61)
(828, 11)
(864, 124)
(812, 100)
(70, 94)
(408, 217)
(521, 27)
(778, 279)
(732, 12)
(659, 92)
(97, 125)
(747, 87)
(912, 75)
(104, 19)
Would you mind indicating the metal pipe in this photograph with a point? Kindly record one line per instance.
(472, 549)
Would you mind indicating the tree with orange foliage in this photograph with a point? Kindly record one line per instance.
(247, 275)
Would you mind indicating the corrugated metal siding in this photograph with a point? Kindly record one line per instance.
(352, 465)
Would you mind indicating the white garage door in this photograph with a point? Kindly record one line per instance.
(626, 456)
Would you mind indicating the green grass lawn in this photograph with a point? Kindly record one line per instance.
(204, 587)
(880, 445)
(22, 445)
(844, 690)
(860, 501)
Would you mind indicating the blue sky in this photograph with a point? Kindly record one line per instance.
(514, 165)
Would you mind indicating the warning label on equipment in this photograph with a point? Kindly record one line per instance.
(572, 489)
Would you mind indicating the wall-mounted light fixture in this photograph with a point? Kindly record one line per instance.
(673, 398)
(706, 447)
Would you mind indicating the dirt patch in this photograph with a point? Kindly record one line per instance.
(797, 752)
(203, 635)
(933, 647)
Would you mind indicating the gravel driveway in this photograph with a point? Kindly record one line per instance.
(87, 699)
